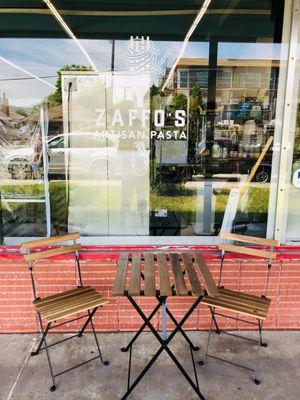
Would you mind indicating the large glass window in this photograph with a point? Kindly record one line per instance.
(149, 133)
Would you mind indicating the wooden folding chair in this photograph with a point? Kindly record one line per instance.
(262, 254)
(81, 299)
(218, 298)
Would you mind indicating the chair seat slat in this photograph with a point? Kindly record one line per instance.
(58, 296)
(68, 303)
(244, 302)
(253, 297)
(83, 307)
(82, 297)
(220, 303)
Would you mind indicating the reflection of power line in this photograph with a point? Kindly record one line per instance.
(25, 79)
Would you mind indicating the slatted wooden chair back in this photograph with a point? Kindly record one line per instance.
(270, 255)
(32, 256)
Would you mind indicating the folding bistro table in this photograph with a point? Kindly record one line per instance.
(177, 276)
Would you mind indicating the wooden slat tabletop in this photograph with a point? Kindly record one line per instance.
(119, 285)
(178, 276)
(150, 289)
(152, 274)
(192, 275)
(135, 276)
(163, 276)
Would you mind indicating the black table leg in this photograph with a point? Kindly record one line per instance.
(125, 349)
(164, 346)
(173, 319)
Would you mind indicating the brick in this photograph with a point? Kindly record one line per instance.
(98, 270)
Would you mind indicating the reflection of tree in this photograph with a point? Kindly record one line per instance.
(55, 98)
(179, 101)
(196, 101)
(297, 136)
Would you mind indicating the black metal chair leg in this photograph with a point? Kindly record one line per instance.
(256, 380)
(36, 352)
(262, 343)
(106, 363)
(212, 311)
(201, 363)
(90, 316)
(53, 387)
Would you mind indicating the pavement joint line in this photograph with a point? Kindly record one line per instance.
(21, 370)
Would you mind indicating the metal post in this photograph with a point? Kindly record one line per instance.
(44, 131)
(288, 123)
(164, 319)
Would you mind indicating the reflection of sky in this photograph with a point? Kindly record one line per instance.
(43, 57)
(261, 51)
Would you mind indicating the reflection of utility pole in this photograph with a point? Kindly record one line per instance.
(212, 81)
(113, 55)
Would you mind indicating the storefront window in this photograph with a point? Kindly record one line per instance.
(148, 133)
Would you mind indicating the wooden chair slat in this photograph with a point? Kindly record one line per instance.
(206, 275)
(243, 302)
(119, 285)
(67, 302)
(50, 301)
(219, 303)
(163, 276)
(262, 300)
(135, 276)
(249, 239)
(150, 289)
(180, 285)
(41, 255)
(50, 240)
(192, 275)
(58, 296)
(248, 251)
(80, 308)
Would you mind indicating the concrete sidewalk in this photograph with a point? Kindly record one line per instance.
(25, 377)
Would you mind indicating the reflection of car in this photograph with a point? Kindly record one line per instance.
(85, 151)
(233, 162)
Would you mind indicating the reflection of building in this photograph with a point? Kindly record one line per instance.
(236, 80)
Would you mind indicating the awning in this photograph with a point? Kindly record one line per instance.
(244, 20)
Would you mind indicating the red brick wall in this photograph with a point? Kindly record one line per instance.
(98, 270)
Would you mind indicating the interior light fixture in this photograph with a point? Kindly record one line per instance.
(26, 72)
(198, 18)
(69, 32)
